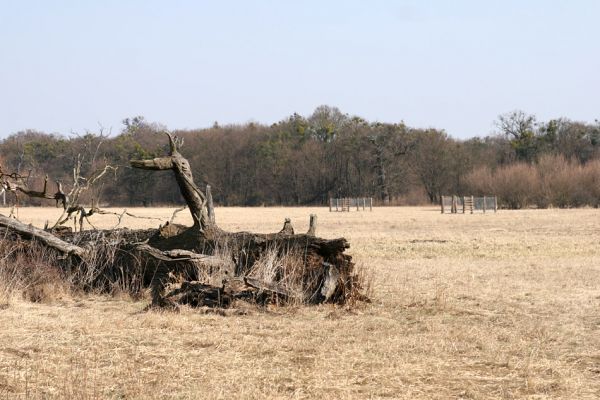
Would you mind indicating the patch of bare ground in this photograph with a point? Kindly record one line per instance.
(464, 306)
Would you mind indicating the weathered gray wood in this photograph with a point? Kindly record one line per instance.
(312, 225)
(48, 239)
(266, 287)
(287, 229)
(331, 281)
(195, 199)
(176, 255)
(210, 205)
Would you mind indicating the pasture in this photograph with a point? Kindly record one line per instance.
(478, 306)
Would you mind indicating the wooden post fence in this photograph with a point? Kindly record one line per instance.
(347, 203)
(469, 204)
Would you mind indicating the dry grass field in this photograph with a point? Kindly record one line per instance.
(478, 306)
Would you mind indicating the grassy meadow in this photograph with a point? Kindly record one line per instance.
(502, 305)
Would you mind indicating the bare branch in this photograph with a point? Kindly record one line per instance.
(156, 164)
(176, 212)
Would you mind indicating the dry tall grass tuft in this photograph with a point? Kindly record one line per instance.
(286, 271)
(33, 272)
(108, 270)
(30, 271)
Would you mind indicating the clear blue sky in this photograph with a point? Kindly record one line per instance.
(70, 65)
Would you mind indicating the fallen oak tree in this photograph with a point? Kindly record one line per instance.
(277, 267)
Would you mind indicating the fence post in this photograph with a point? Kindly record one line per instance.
(453, 207)
(330, 204)
(484, 200)
(472, 204)
(312, 225)
(495, 203)
(442, 203)
(464, 204)
(357, 204)
(337, 204)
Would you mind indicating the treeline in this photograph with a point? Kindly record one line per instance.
(305, 160)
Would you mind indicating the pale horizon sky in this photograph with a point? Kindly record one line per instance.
(454, 65)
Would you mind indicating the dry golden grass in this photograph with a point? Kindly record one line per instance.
(465, 306)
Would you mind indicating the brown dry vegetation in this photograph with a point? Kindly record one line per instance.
(553, 181)
(464, 306)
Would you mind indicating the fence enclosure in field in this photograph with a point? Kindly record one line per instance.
(348, 203)
(464, 204)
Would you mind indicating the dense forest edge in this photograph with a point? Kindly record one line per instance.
(305, 160)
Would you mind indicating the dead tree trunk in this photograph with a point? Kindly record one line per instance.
(46, 238)
(280, 265)
(195, 199)
(327, 271)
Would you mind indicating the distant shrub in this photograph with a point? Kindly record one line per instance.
(553, 181)
(590, 183)
(479, 182)
(515, 185)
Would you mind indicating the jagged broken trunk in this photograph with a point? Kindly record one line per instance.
(203, 265)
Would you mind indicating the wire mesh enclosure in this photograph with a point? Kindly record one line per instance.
(351, 203)
(468, 204)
